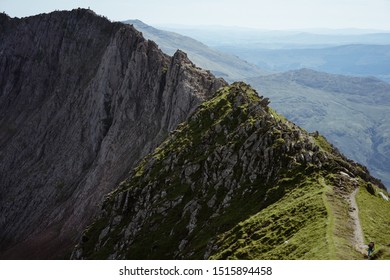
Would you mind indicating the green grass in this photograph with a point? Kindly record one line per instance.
(374, 214)
(311, 221)
(293, 228)
(323, 143)
(277, 116)
(328, 192)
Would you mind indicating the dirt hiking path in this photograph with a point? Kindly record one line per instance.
(358, 232)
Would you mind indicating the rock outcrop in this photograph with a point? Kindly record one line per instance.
(82, 99)
(208, 191)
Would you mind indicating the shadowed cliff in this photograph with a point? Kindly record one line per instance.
(82, 99)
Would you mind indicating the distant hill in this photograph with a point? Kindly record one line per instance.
(352, 112)
(221, 64)
(347, 52)
(215, 36)
(361, 60)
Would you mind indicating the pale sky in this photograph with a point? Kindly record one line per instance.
(262, 14)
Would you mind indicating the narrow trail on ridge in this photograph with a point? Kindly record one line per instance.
(358, 232)
(344, 227)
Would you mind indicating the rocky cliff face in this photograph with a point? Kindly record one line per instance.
(82, 99)
(235, 181)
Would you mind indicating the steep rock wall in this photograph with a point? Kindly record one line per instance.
(82, 99)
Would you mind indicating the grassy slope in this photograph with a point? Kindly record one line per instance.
(374, 214)
(279, 231)
(310, 222)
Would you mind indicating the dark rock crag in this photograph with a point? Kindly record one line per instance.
(82, 99)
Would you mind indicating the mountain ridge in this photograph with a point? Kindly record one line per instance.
(82, 99)
(233, 159)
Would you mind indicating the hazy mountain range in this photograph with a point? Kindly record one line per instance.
(355, 60)
(224, 65)
(215, 36)
(346, 52)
